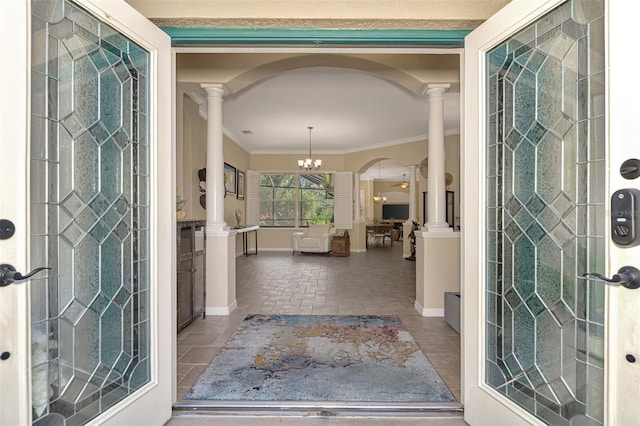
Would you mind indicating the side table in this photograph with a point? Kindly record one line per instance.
(341, 245)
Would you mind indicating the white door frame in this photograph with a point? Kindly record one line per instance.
(152, 403)
(177, 114)
(623, 332)
(14, 125)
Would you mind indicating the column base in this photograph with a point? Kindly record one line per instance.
(221, 273)
(224, 311)
(428, 312)
(440, 227)
(437, 270)
(213, 228)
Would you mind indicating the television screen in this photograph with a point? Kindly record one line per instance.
(395, 211)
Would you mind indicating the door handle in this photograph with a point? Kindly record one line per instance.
(627, 277)
(8, 274)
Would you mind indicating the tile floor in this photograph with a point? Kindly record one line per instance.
(378, 282)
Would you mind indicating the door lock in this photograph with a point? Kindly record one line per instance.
(625, 207)
(8, 274)
(627, 277)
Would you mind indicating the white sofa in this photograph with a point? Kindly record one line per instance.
(315, 239)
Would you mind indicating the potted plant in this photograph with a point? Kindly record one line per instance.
(180, 202)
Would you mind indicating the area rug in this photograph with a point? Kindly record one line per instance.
(321, 358)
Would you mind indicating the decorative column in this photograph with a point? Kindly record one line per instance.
(358, 231)
(412, 193)
(407, 227)
(215, 159)
(436, 199)
(357, 217)
(221, 242)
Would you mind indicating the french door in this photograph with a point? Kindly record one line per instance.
(548, 126)
(86, 142)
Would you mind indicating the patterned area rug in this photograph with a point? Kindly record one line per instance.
(321, 358)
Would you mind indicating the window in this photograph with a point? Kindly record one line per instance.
(292, 200)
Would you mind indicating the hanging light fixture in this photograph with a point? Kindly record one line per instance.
(404, 184)
(379, 198)
(308, 163)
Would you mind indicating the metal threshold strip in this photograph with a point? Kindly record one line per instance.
(320, 408)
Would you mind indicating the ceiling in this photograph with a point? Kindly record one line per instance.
(349, 111)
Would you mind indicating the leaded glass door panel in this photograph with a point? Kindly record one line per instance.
(545, 166)
(87, 333)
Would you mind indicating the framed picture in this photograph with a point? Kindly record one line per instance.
(229, 179)
(240, 185)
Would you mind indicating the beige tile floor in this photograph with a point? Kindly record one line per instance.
(378, 282)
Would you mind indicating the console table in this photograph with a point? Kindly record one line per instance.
(191, 254)
(245, 230)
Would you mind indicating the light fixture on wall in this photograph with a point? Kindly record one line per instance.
(379, 198)
(308, 163)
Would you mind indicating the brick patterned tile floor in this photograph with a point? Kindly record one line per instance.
(378, 282)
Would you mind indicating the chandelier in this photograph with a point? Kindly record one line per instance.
(308, 163)
(379, 198)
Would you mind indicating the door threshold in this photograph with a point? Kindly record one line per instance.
(319, 408)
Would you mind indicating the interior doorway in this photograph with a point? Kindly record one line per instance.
(435, 329)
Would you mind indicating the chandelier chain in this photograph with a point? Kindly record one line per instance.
(308, 163)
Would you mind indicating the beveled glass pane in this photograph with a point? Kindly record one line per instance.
(111, 94)
(85, 91)
(524, 109)
(549, 91)
(142, 98)
(524, 163)
(86, 275)
(549, 168)
(87, 344)
(596, 48)
(549, 356)
(111, 266)
(110, 173)
(90, 329)
(86, 167)
(548, 349)
(111, 329)
(548, 271)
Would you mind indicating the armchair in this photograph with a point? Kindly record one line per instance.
(315, 239)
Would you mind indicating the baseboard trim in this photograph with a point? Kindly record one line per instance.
(428, 312)
(215, 311)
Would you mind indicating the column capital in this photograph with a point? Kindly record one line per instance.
(215, 89)
(436, 88)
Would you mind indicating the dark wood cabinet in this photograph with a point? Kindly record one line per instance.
(191, 272)
(341, 245)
